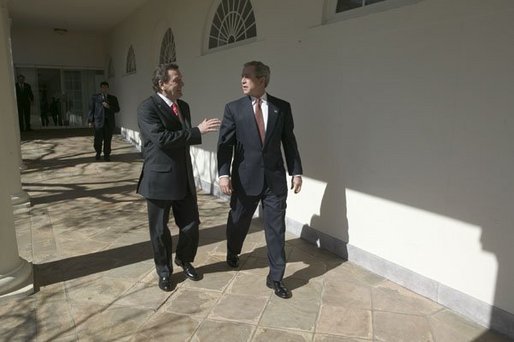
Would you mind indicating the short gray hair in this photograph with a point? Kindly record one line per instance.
(261, 70)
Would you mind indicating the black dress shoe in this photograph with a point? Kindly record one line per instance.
(165, 284)
(189, 270)
(233, 260)
(278, 287)
(107, 158)
(97, 156)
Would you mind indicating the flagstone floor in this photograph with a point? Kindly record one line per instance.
(86, 234)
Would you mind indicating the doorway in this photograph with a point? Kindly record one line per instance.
(61, 96)
(50, 93)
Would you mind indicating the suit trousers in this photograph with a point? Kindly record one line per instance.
(103, 135)
(242, 208)
(24, 116)
(185, 212)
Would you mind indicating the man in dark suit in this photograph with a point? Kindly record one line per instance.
(253, 130)
(24, 99)
(166, 179)
(102, 108)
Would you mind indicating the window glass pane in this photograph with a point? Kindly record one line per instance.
(234, 21)
(369, 2)
(168, 54)
(131, 61)
(345, 5)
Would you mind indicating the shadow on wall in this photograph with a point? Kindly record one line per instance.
(423, 163)
(501, 244)
(413, 160)
(333, 216)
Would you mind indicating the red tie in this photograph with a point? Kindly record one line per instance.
(175, 110)
(259, 118)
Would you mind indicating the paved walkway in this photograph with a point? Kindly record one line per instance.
(87, 237)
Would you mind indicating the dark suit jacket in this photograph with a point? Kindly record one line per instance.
(167, 171)
(253, 163)
(24, 95)
(98, 113)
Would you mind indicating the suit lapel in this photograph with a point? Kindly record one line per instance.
(164, 108)
(183, 114)
(249, 116)
(273, 112)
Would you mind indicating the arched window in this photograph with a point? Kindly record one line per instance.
(233, 21)
(131, 61)
(335, 10)
(346, 5)
(168, 54)
(110, 69)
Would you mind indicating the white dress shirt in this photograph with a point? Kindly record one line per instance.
(264, 108)
(168, 101)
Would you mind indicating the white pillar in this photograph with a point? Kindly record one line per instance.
(19, 197)
(15, 272)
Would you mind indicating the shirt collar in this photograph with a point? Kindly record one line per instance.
(264, 98)
(168, 101)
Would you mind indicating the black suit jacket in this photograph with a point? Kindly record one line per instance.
(98, 113)
(253, 163)
(24, 94)
(167, 171)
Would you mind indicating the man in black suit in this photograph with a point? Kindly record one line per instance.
(102, 108)
(24, 99)
(253, 130)
(166, 179)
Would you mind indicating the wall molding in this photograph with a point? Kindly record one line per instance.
(474, 309)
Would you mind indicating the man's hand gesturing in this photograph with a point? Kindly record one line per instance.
(209, 125)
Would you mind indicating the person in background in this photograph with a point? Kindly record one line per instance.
(102, 108)
(55, 111)
(24, 99)
(45, 108)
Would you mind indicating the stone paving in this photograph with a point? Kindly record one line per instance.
(86, 234)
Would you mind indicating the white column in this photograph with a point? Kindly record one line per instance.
(15, 272)
(19, 197)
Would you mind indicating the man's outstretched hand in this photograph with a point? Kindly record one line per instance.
(209, 125)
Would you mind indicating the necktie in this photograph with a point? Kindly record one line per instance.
(175, 110)
(259, 118)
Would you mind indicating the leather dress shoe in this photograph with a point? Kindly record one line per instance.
(278, 287)
(165, 284)
(189, 270)
(97, 156)
(233, 260)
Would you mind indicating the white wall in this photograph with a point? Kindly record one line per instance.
(44, 47)
(404, 118)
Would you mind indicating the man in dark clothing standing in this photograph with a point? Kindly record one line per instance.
(101, 116)
(166, 179)
(255, 130)
(24, 98)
